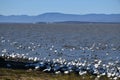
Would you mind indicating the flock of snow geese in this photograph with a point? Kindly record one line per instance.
(95, 66)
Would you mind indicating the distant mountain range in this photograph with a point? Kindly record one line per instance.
(60, 17)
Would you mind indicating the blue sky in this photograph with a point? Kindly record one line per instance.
(36, 7)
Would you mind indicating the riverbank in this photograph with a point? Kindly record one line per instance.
(23, 69)
(17, 74)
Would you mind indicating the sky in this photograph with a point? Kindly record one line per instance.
(36, 7)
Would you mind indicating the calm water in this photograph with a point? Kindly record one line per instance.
(68, 41)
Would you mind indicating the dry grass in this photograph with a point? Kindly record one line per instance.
(10, 74)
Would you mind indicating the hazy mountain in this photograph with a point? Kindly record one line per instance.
(60, 17)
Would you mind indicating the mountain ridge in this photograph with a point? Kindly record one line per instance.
(60, 17)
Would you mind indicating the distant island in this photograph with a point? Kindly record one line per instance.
(60, 17)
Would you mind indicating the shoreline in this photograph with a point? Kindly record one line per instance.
(9, 68)
(18, 74)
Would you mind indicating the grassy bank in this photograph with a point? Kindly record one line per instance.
(10, 74)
